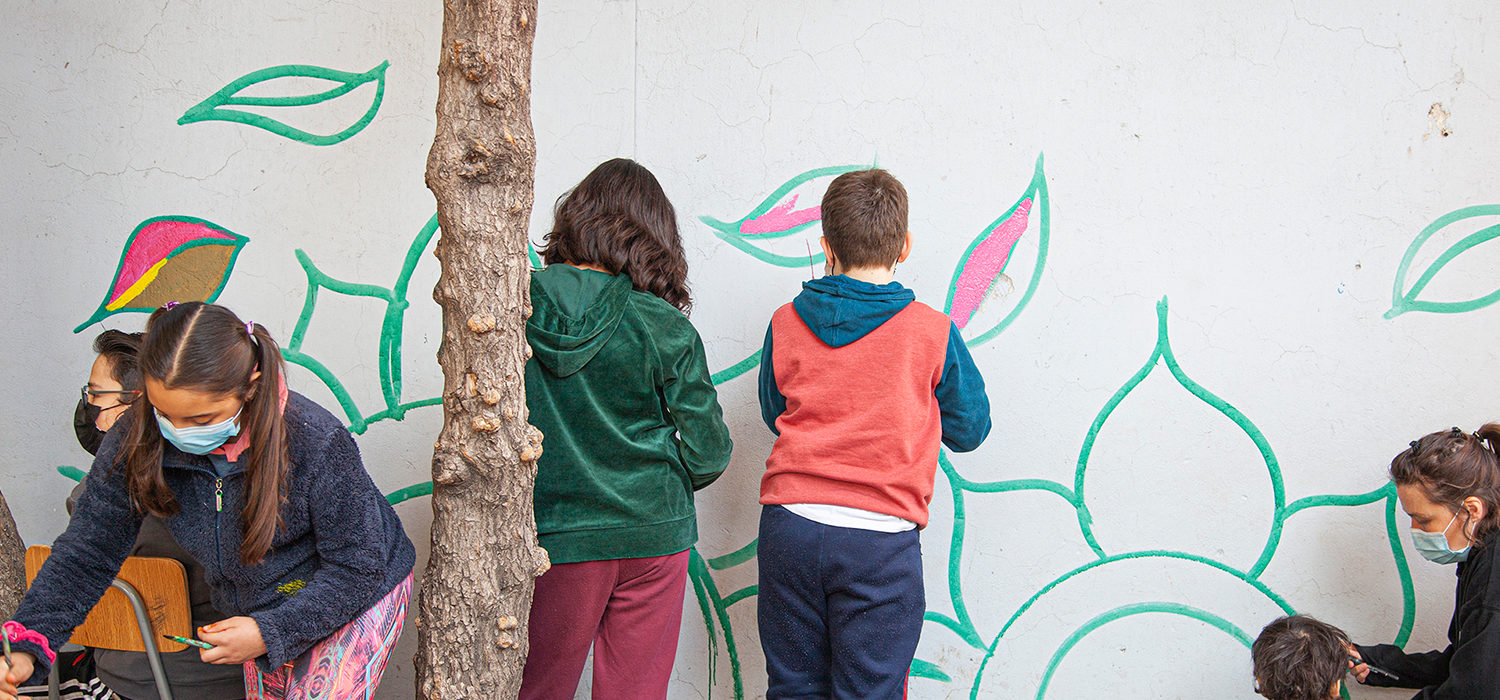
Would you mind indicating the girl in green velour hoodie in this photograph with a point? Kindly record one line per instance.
(619, 386)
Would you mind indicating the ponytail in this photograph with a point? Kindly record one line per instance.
(268, 457)
(206, 348)
(1451, 466)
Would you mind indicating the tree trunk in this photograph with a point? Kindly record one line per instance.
(476, 591)
(12, 563)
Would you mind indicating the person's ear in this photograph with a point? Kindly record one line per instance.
(905, 249)
(1476, 509)
(254, 384)
(830, 263)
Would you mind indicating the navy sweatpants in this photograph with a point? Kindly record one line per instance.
(840, 609)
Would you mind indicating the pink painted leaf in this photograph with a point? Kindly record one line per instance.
(780, 229)
(980, 280)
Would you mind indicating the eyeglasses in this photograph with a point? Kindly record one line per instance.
(91, 393)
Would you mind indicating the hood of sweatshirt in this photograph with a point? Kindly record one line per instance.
(574, 312)
(840, 309)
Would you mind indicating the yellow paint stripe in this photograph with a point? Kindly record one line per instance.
(136, 289)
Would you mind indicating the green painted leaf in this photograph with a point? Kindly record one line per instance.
(220, 105)
(927, 669)
(1406, 300)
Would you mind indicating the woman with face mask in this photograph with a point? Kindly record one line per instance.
(114, 385)
(262, 486)
(1448, 482)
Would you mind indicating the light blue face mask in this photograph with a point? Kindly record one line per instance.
(199, 439)
(1433, 546)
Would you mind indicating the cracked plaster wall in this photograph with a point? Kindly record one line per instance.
(1263, 165)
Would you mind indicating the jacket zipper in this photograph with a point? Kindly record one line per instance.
(218, 509)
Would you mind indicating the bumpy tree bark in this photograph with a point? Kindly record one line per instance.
(12, 563)
(476, 592)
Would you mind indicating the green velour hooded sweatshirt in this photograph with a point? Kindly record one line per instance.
(619, 386)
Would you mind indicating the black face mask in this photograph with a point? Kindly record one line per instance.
(86, 426)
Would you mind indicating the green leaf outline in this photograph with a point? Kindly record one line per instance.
(729, 231)
(391, 337)
(1408, 301)
(237, 241)
(217, 107)
(1043, 206)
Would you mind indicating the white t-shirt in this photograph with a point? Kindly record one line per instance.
(844, 516)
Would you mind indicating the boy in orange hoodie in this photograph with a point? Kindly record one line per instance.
(860, 382)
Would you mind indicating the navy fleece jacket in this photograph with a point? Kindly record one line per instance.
(340, 550)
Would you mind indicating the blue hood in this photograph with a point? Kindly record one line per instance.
(840, 309)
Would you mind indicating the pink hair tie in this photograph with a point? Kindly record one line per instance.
(169, 305)
(250, 328)
(18, 633)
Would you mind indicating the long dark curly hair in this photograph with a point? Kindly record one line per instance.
(619, 219)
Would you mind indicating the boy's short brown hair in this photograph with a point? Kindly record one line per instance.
(1299, 658)
(864, 218)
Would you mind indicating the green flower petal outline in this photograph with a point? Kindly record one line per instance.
(1402, 302)
(1162, 353)
(219, 106)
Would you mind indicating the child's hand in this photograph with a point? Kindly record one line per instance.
(11, 677)
(235, 641)
(1359, 670)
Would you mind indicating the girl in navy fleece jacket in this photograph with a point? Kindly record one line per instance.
(262, 486)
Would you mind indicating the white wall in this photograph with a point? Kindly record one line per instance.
(1261, 166)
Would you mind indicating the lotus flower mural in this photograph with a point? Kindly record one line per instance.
(169, 258)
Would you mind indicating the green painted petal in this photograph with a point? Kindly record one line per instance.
(1162, 354)
(73, 473)
(220, 105)
(410, 492)
(1404, 299)
(927, 669)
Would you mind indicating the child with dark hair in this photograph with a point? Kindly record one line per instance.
(1299, 658)
(262, 486)
(1448, 482)
(860, 383)
(114, 384)
(619, 385)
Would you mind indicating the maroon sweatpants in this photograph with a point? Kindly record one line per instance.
(630, 610)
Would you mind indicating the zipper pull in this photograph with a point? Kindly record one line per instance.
(219, 495)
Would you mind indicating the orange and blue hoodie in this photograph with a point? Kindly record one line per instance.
(860, 382)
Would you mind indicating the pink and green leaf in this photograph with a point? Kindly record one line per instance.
(785, 212)
(989, 255)
(170, 258)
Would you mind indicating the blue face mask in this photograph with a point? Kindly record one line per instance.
(1433, 546)
(199, 439)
